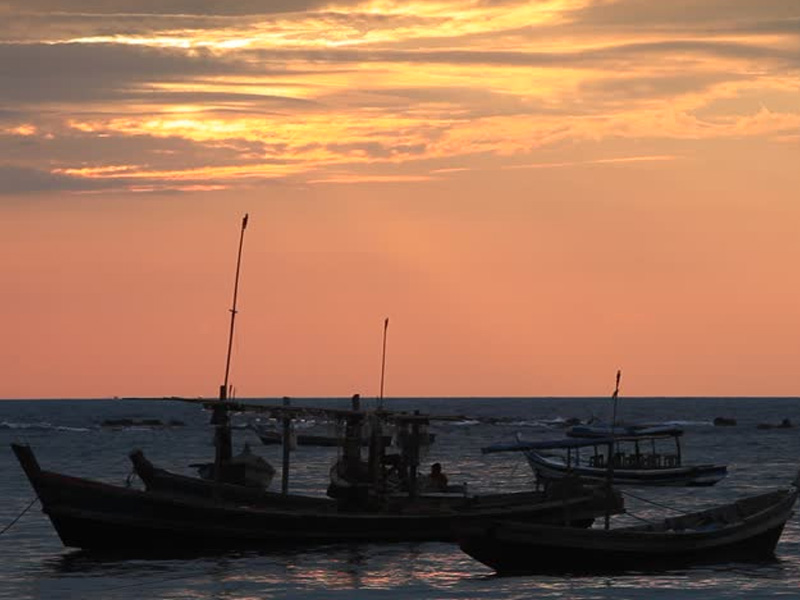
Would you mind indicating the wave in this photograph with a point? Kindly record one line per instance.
(672, 423)
(42, 426)
(533, 424)
(688, 423)
(464, 423)
(544, 424)
(668, 423)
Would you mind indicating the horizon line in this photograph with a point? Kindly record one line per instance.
(390, 398)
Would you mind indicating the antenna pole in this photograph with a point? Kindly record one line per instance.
(383, 361)
(223, 390)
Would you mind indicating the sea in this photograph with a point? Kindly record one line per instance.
(74, 437)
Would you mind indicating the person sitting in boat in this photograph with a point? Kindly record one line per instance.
(395, 474)
(436, 481)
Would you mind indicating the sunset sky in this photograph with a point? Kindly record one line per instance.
(534, 193)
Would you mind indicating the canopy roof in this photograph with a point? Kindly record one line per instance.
(652, 433)
(601, 431)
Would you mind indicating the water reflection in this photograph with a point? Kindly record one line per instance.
(735, 580)
(331, 567)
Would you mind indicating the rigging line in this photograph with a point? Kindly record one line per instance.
(19, 516)
(637, 517)
(654, 503)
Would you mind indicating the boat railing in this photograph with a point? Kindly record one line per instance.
(598, 461)
(637, 461)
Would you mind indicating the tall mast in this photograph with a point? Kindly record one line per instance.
(223, 391)
(383, 361)
(612, 447)
(220, 418)
(615, 395)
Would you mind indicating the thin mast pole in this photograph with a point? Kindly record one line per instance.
(220, 418)
(615, 395)
(224, 389)
(383, 361)
(612, 449)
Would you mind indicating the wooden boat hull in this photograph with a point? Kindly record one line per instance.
(163, 481)
(690, 475)
(517, 548)
(93, 515)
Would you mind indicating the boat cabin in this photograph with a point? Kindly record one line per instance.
(364, 473)
(658, 448)
(651, 451)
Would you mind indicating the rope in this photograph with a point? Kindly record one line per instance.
(19, 516)
(129, 479)
(638, 518)
(664, 506)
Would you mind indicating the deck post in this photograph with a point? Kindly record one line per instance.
(377, 452)
(414, 456)
(609, 479)
(351, 447)
(287, 446)
(222, 435)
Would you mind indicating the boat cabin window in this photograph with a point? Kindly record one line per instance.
(645, 453)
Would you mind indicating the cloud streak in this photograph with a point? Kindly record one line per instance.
(179, 95)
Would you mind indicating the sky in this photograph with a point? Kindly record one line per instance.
(535, 194)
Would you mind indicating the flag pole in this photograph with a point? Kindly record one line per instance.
(383, 362)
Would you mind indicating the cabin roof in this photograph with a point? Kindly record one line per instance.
(521, 445)
(589, 431)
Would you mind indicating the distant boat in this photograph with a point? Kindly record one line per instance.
(635, 459)
(785, 424)
(745, 530)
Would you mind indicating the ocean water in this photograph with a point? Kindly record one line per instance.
(68, 436)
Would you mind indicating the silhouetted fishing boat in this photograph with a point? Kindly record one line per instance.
(619, 455)
(745, 530)
(97, 516)
(652, 458)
